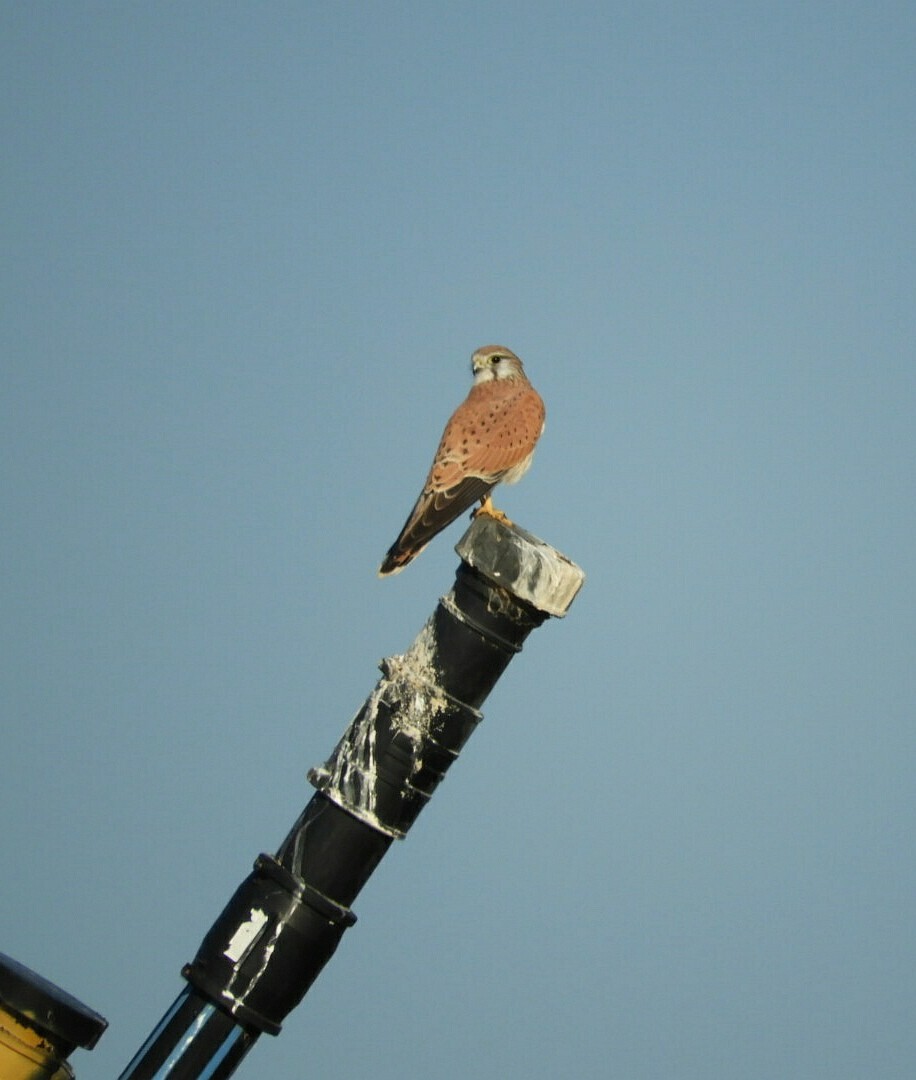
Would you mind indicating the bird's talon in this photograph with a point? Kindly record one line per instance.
(487, 507)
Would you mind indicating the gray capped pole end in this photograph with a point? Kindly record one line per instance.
(520, 563)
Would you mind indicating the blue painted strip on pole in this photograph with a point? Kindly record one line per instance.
(157, 1031)
(222, 1053)
(181, 1049)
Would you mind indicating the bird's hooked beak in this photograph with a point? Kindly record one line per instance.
(483, 370)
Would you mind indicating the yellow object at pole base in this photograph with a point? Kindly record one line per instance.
(25, 1054)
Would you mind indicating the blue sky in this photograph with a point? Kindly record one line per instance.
(247, 253)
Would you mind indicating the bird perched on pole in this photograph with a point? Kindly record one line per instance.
(490, 439)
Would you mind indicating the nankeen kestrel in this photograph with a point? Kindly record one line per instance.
(490, 439)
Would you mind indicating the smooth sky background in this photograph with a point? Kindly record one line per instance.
(247, 251)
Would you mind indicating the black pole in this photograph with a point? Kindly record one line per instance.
(286, 919)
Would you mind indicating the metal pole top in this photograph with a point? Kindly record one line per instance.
(520, 563)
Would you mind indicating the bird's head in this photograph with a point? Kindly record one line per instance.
(495, 362)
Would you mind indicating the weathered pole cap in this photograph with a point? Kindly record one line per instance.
(525, 566)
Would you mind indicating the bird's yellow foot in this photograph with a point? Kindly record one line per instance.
(487, 507)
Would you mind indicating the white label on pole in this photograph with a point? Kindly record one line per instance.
(247, 933)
